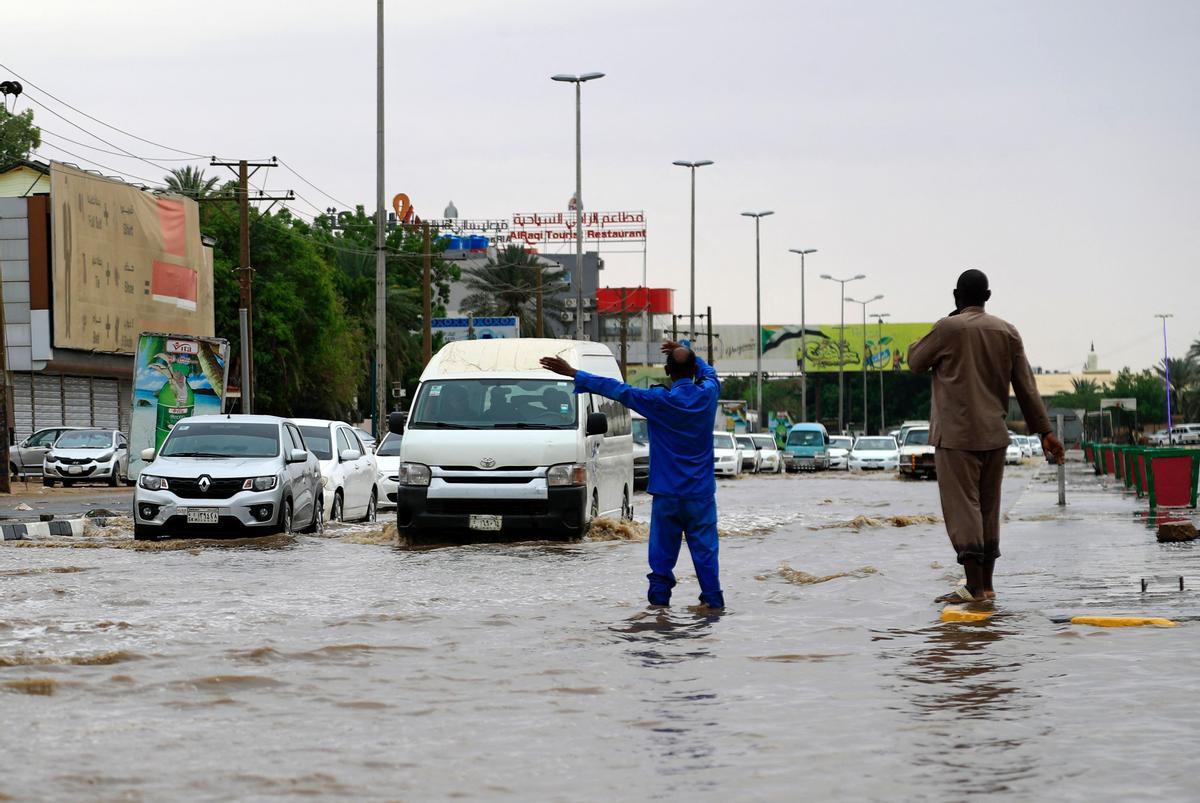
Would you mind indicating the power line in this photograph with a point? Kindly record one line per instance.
(45, 130)
(97, 136)
(314, 186)
(113, 171)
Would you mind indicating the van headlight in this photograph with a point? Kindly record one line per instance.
(259, 483)
(414, 474)
(566, 474)
(151, 483)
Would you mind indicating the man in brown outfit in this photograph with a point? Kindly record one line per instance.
(974, 357)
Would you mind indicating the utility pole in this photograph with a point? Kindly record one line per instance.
(6, 481)
(540, 326)
(708, 317)
(674, 328)
(803, 252)
(427, 298)
(245, 271)
(879, 316)
(1166, 379)
(380, 423)
(624, 335)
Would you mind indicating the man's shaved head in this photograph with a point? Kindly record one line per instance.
(972, 289)
(681, 364)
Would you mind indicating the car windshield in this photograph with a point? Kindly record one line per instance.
(641, 431)
(390, 446)
(723, 440)
(917, 437)
(805, 437)
(841, 443)
(764, 442)
(746, 441)
(494, 404)
(84, 439)
(222, 439)
(874, 445)
(318, 440)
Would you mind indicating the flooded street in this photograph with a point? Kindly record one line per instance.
(343, 667)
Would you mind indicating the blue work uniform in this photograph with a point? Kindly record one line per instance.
(681, 474)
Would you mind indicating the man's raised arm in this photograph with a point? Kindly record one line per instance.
(638, 399)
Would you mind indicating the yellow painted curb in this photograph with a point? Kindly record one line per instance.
(1122, 621)
(955, 613)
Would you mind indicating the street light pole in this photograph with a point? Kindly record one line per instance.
(866, 415)
(380, 422)
(803, 336)
(842, 349)
(758, 216)
(578, 80)
(692, 297)
(1166, 373)
(879, 316)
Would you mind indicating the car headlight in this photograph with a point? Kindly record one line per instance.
(565, 474)
(151, 483)
(259, 483)
(414, 474)
(104, 458)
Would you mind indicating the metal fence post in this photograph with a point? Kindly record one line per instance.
(1062, 466)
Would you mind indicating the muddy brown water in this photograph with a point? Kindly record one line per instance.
(344, 668)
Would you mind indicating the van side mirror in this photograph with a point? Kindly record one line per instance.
(396, 421)
(597, 424)
(148, 455)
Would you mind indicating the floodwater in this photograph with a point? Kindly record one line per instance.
(344, 668)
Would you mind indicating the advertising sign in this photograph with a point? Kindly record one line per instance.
(654, 300)
(734, 347)
(478, 328)
(547, 228)
(124, 261)
(174, 376)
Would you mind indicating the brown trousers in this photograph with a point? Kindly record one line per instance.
(969, 484)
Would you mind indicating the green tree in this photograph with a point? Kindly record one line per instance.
(507, 285)
(18, 136)
(1084, 395)
(190, 181)
(1146, 388)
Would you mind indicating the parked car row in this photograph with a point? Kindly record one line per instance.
(744, 453)
(1180, 435)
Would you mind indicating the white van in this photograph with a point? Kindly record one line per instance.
(496, 447)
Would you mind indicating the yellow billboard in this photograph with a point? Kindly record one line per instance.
(125, 261)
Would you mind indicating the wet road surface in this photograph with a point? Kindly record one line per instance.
(341, 667)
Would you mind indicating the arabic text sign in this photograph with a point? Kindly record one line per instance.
(539, 228)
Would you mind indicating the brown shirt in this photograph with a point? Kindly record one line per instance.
(974, 357)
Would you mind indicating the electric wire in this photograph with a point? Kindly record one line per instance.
(56, 135)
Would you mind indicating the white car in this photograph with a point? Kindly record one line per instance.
(1035, 446)
(770, 459)
(641, 450)
(87, 455)
(1185, 434)
(749, 453)
(1012, 455)
(727, 457)
(348, 470)
(1026, 448)
(917, 454)
(387, 460)
(839, 451)
(874, 453)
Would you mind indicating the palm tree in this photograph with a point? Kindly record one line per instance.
(507, 285)
(1184, 385)
(190, 181)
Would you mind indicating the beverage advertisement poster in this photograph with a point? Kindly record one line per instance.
(174, 377)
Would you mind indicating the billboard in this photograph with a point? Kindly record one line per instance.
(124, 261)
(477, 328)
(734, 347)
(654, 300)
(174, 376)
(546, 228)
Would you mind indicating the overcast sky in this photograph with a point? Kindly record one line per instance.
(1052, 144)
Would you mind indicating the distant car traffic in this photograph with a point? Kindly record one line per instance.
(806, 448)
(917, 454)
(727, 458)
(87, 455)
(26, 458)
(1035, 445)
(770, 459)
(387, 461)
(1026, 449)
(839, 451)
(878, 453)
(249, 474)
(1012, 454)
(749, 453)
(348, 469)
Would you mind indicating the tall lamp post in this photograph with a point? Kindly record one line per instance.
(866, 415)
(879, 316)
(803, 336)
(842, 349)
(692, 296)
(578, 80)
(1166, 373)
(758, 216)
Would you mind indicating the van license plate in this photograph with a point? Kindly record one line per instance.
(491, 523)
(202, 515)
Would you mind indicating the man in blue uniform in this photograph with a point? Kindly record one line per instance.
(681, 464)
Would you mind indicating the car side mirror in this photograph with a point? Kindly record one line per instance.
(597, 424)
(396, 421)
(148, 455)
(297, 456)
(828, 440)
(349, 455)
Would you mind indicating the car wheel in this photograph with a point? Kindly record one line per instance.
(143, 532)
(594, 510)
(626, 507)
(115, 479)
(317, 526)
(68, 483)
(49, 483)
(12, 470)
(373, 508)
(285, 517)
(337, 512)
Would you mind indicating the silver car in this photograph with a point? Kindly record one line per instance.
(26, 458)
(221, 474)
(87, 455)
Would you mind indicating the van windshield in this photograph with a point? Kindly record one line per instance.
(494, 404)
(917, 437)
(805, 437)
